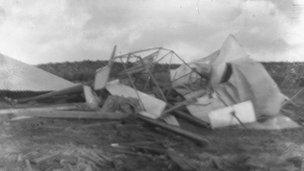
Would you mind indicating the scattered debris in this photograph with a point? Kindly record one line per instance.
(195, 137)
(233, 78)
(44, 158)
(183, 163)
(226, 88)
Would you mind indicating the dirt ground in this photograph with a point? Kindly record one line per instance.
(72, 144)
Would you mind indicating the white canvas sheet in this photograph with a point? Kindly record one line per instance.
(19, 76)
(223, 117)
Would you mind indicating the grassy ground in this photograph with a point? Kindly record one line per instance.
(85, 144)
(61, 144)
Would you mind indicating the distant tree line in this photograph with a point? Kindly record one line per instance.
(284, 73)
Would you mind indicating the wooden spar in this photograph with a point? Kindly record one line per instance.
(62, 112)
(112, 55)
(102, 74)
(174, 110)
(72, 114)
(179, 105)
(195, 137)
(66, 107)
(190, 118)
(91, 98)
(74, 89)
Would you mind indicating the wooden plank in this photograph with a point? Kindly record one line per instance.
(102, 74)
(70, 90)
(191, 119)
(152, 150)
(62, 111)
(72, 114)
(72, 106)
(91, 98)
(46, 157)
(174, 110)
(179, 105)
(177, 130)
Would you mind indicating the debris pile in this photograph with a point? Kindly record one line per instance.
(226, 88)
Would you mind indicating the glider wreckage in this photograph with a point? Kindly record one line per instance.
(157, 86)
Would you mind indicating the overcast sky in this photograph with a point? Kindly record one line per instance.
(40, 31)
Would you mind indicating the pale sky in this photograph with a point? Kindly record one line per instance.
(40, 31)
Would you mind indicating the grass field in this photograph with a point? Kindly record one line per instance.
(76, 140)
(81, 144)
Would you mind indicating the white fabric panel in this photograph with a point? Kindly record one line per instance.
(18, 76)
